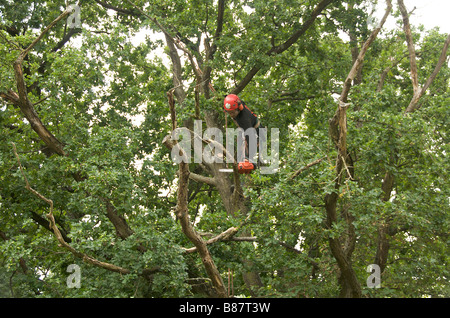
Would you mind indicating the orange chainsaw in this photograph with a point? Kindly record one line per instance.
(245, 167)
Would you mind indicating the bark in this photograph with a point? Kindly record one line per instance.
(123, 230)
(347, 279)
(384, 228)
(26, 106)
(44, 223)
(354, 48)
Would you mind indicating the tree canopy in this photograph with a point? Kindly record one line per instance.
(90, 95)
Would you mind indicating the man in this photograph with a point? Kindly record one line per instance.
(245, 119)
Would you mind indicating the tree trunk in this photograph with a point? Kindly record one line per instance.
(234, 203)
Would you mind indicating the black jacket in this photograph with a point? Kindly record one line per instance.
(246, 118)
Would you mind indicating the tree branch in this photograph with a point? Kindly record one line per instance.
(200, 178)
(176, 71)
(57, 232)
(283, 47)
(359, 60)
(410, 43)
(35, 41)
(25, 105)
(225, 235)
(173, 39)
(385, 228)
(338, 116)
(123, 230)
(309, 165)
(182, 214)
(413, 105)
(386, 71)
(44, 223)
(117, 9)
(350, 286)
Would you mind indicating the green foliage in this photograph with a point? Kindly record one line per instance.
(104, 96)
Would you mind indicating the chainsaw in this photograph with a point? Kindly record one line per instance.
(245, 167)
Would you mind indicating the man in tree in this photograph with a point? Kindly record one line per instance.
(244, 118)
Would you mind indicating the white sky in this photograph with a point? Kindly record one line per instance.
(430, 13)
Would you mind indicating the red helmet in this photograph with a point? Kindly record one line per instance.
(231, 102)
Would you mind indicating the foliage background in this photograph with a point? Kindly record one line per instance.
(103, 96)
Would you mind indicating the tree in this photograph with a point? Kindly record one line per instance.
(87, 178)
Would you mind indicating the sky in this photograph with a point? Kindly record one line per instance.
(433, 13)
(430, 13)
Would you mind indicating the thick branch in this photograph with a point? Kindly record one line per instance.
(413, 105)
(221, 237)
(35, 41)
(44, 223)
(386, 71)
(200, 178)
(410, 43)
(183, 216)
(120, 224)
(11, 97)
(338, 116)
(173, 39)
(227, 235)
(169, 143)
(350, 286)
(26, 106)
(179, 92)
(359, 60)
